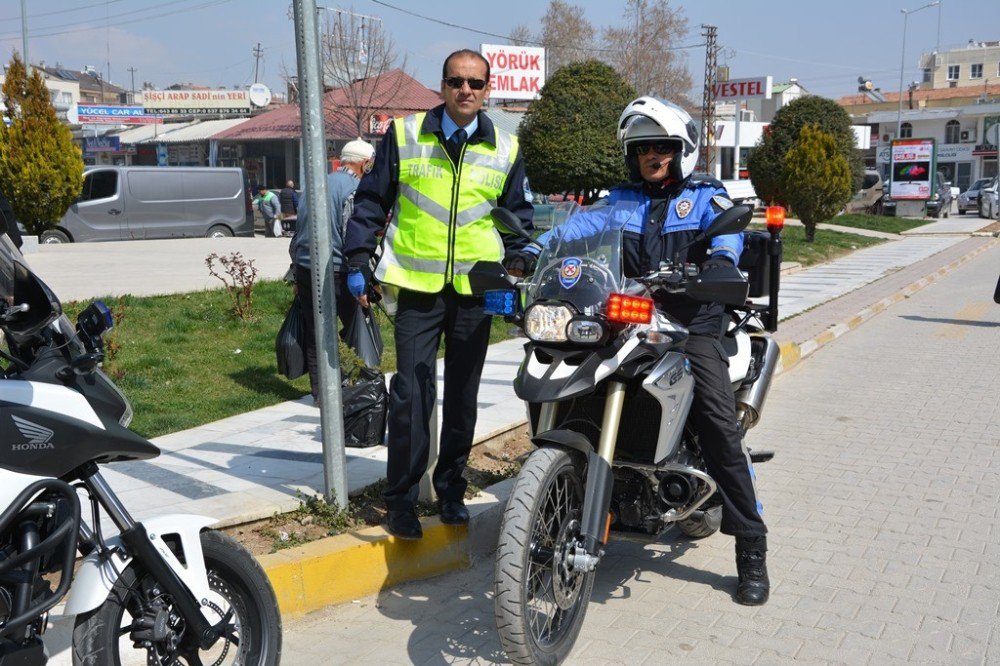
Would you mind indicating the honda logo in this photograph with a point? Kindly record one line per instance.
(38, 437)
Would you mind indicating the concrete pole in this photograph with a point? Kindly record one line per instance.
(24, 36)
(324, 296)
(736, 139)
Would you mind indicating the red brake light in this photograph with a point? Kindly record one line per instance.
(630, 309)
(775, 219)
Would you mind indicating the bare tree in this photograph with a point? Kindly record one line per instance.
(521, 35)
(357, 53)
(567, 35)
(641, 50)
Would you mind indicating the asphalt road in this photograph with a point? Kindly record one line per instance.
(882, 504)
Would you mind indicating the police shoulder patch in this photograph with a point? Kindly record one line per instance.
(721, 203)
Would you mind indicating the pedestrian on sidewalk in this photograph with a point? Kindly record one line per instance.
(661, 151)
(356, 159)
(438, 173)
(270, 208)
(288, 197)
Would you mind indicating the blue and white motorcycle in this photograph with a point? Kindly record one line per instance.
(608, 391)
(163, 591)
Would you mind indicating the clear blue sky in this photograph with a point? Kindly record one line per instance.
(209, 42)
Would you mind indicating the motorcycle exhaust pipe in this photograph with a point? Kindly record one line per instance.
(750, 399)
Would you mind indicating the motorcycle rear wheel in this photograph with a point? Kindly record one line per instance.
(239, 586)
(539, 601)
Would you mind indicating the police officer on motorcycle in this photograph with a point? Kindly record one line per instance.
(661, 150)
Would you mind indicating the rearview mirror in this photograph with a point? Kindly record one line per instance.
(509, 223)
(729, 222)
(488, 275)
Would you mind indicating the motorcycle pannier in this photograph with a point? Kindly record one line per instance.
(756, 262)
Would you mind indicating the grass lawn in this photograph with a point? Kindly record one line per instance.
(892, 225)
(185, 359)
(827, 246)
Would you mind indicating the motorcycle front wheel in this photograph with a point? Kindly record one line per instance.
(539, 599)
(138, 624)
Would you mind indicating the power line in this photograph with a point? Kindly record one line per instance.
(525, 41)
(204, 5)
(61, 11)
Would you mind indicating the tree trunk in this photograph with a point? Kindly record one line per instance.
(810, 228)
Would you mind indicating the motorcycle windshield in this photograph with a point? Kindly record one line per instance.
(20, 286)
(580, 262)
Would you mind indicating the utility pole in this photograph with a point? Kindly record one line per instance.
(258, 54)
(323, 297)
(709, 32)
(24, 34)
(131, 92)
(638, 45)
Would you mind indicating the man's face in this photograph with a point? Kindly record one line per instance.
(463, 103)
(654, 160)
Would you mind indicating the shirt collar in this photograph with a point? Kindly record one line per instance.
(449, 126)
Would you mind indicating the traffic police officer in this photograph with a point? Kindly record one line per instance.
(438, 175)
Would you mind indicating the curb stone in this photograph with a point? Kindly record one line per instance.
(343, 568)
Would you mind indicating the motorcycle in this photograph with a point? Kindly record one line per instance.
(162, 591)
(608, 391)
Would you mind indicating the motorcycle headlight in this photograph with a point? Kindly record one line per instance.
(547, 323)
(586, 330)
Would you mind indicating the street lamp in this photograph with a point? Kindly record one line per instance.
(902, 61)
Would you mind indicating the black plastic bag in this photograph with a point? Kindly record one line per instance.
(364, 337)
(290, 343)
(365, 406)
(996, 293)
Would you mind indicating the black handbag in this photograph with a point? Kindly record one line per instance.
(364, 337)
(289, 345)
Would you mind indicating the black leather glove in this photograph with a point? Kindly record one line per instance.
(519, 264)
(717, 262)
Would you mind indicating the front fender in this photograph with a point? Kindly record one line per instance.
(97, 576)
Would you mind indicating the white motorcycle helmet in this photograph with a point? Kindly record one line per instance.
(650, 119)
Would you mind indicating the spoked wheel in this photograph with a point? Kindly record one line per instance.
(540, 597)
(138, 623)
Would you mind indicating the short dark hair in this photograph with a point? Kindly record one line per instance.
(261, 187)
(464, 52)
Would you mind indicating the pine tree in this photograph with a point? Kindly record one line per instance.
(41, 170)
(817, 178)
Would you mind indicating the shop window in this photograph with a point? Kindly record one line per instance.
(905, 131)
(952, 131)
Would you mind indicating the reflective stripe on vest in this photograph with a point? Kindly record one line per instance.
(440, 228)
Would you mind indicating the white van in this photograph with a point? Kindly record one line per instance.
(135, 203)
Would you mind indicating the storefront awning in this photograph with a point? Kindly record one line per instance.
(149, 133)
(199, 130)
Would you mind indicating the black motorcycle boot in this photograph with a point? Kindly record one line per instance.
(754, 587)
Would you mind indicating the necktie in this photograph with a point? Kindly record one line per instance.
(455, 144)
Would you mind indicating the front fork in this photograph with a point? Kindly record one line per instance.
(596, 521)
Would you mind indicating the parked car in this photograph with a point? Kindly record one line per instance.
(989, 200)
(969, 199)
(939, 205)
(869, 198)
(132, 203)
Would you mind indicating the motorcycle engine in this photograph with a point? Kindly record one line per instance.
(633, 503)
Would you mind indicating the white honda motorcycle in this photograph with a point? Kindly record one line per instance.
(609, 391)
(162, 591)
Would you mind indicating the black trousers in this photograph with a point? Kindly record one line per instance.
(713, 413)
(347, 308)
(421, 319)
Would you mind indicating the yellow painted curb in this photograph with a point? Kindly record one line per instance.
(345, 567)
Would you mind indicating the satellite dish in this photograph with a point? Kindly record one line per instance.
(73, 115)
(993, 134)
(260, 95)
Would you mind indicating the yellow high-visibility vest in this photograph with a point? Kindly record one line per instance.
(441, 224)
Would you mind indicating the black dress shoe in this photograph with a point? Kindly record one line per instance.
(453, 512)
(404, 525)
(754, 587)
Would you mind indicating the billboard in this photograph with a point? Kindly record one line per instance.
(195, 102)
(101, 144)
(759, 88)
(912, 167)
(99, 114)
(516, 72)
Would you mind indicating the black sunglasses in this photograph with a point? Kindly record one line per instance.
(457, 82)
(660, 147)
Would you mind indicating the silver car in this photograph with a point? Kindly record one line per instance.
(969, 199)
(989, 200)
